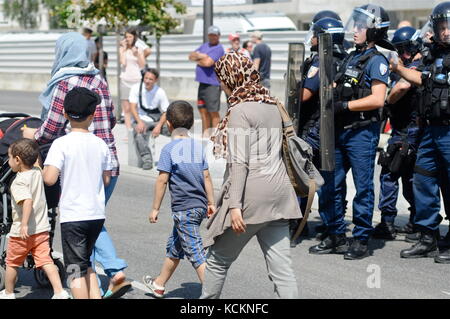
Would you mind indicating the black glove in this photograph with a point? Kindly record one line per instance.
(340, 107)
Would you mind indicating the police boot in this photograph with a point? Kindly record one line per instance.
(321, 232)
(414, 235)
(332, 244)
(358, 250)
(407, 229)
(444, 242)
(384, 230)
(425, 247)
(443, 257)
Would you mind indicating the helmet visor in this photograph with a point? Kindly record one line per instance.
(309, 36)
(441, 28)
(426, 32)
(362, 19)
(335, 32)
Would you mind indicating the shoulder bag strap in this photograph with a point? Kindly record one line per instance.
(312, 192)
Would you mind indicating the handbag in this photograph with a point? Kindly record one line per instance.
(298, 159)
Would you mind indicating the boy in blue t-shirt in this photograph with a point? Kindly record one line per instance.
(183, 165)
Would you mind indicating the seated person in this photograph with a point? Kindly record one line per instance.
(148, 104)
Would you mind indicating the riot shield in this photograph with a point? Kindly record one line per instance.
(326, 74)
(296, 55)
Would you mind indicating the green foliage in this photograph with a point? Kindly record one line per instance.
(151, 13)
(26, 12)
(59, 12)
(23, 11)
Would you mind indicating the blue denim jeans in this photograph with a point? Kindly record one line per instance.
(104, 251)
(434, 157)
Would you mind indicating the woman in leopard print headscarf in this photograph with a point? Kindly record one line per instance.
(238, 75)
(257, 197)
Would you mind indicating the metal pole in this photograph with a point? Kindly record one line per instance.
(207, 18)
(119, 104)
(100, 51)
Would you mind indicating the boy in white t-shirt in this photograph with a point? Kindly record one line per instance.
(84, 162)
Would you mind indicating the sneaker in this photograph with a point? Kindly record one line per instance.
(62, 295)
(4, 295)
(147, 165)
(158, 292)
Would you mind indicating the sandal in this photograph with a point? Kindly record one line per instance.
(118, 290)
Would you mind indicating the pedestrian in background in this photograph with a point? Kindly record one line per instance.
(92, 48)
(132, 61)
(183, 165)
(235, 42)
(248, 48)
(208, 101)
(262, 56)
(257, 197)
(149, 104)
(102, 67)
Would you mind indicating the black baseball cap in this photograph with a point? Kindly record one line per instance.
(81, 102)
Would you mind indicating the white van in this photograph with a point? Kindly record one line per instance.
(247, 22)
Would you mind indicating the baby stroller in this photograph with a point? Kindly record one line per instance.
(10, 131)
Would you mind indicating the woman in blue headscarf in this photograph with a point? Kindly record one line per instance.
(70, 59)
(73, 69)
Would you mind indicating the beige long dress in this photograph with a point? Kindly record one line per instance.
(255, 178)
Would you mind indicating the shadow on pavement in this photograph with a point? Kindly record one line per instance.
(188, 290)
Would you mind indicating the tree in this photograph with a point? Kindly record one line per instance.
(118, 13)
(59, 12)
(150, 13)
(23, 11)
(27, 12)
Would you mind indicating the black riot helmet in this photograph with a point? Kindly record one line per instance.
(325, 14)
(326, 25)
(407, 41)
(440, 23)
(375, 20)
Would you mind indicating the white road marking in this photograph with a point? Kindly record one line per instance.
(446, 292)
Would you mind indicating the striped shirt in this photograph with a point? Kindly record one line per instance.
(104, 120)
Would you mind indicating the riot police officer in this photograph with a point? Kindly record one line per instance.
(433, 156)
(360, 90)
(398, 160)
(309, 96)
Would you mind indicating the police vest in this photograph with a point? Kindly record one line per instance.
(310, 110)
(403, 113)
(434, 102)
(350, 85)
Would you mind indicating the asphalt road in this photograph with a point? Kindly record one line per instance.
(382, 275)
(142, 245)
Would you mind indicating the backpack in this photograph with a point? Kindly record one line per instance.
(298, 159)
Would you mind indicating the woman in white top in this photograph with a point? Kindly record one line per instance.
(132, 60)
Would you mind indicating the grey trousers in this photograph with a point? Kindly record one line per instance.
(273, 238)
(141, 141)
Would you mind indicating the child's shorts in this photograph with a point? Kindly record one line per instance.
(38, 245)
(78, 240)
(185, 238)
